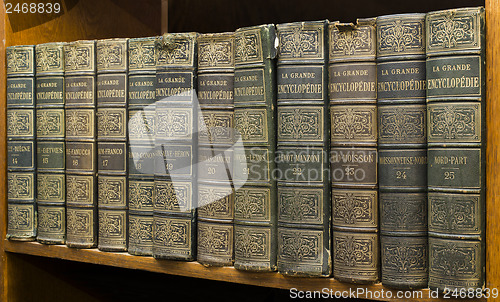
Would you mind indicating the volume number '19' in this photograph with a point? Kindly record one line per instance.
(33, 8)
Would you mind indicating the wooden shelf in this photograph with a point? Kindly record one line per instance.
(196, 270)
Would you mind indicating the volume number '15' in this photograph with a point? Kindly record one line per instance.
(33, 8)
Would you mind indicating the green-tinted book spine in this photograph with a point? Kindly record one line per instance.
(455, 68)
(21, 143)
(402, 142)
(141, 124)
(303, 143)
(353, 114)
(81, 147)
(255, 122)
(174, 235)
(215, 152)
(112, 84)
(51, 178)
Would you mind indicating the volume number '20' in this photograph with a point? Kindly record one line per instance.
(33, 8)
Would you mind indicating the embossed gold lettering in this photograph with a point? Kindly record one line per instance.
(453, 160)
(49, 95)
(450, 83)
(403, 160)
(300, 88)
(358, 86)
(216, 95)
(111, 93)
(19, 95)
(110, 151)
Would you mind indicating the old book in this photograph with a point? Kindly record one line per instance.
(112, 84)
(215, 152)
(402, 150)
(81, 148)
(255, 124)
(51, 178)
(141, 124)
(174, 235)
(353, 114)
(21, 144)
(303, 142)
(456, 147)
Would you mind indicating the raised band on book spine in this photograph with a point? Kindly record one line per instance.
(141, 126)
(21, 144)
(176, 148)
(456, 147)
(303, 143)
(353, 109)
(81, 147)
(254, 165)
(402, 163)
(51, 178)
(112, 84)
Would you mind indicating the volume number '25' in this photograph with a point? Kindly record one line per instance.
(449, 175)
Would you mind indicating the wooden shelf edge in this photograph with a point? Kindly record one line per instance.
(196, 270)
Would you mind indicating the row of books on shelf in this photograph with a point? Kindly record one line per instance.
(309, 148)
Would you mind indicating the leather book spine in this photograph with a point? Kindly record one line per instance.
(402, 150)
(141, 149)
(51, 178)
(255, 124)
(81, 147)
(21, 143)
(176, 148)
(455, 68)
(303, 143)
(112, 84)
(215, 152)
(353, 114)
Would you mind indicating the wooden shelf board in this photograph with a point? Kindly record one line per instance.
(196, 270)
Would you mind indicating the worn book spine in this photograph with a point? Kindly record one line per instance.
(112, 84)
(81, 148)
(141, 149)
(255, 124)
(303, 143)
(50, 133)
(353, 114)
(21, 143)
(402, 145)
(215, 152)
(174, 235)
(455, 68)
